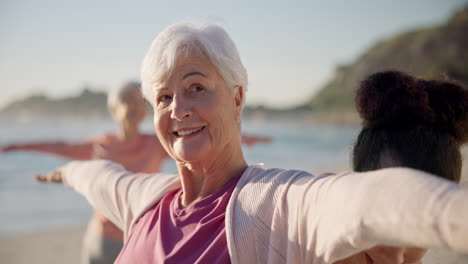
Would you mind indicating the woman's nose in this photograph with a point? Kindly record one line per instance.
(181, 108)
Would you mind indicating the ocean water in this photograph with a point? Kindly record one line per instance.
(27, 206)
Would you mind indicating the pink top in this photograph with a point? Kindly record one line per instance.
(142, 154)
(169, 233)
(145, 154)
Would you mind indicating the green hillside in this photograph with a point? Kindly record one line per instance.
(87, 104)
(438, 52)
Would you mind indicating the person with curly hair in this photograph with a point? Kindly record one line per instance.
(413, 123)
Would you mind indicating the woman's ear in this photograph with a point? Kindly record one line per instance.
(238, 100)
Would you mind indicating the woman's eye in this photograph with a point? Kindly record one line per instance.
(197, 88)
(164, 98)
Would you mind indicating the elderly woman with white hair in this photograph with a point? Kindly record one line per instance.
(134, 150)
(219, 209)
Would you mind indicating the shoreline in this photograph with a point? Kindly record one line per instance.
(63, 245)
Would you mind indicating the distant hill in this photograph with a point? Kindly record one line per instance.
(89, 104)
(437, 52)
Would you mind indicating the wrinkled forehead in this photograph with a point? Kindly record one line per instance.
(184, 54)
(188, 63)
(161, 61)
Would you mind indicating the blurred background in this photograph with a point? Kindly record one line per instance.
(305, 59)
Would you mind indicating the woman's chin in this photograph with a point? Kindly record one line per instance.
(190, 156)
(192, 151)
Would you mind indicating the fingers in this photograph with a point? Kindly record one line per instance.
(54, 176)
(7, 148)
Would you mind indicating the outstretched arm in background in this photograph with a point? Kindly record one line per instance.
(251, 140)
(79, 150)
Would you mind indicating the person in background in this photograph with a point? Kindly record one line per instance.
(218, 209)
(413, 123)
(135, 151)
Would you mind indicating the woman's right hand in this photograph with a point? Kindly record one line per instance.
(8, 148)
(54, 176)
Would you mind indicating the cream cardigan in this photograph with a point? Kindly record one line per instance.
(292, 216)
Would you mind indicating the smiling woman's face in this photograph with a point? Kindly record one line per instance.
(195, 114)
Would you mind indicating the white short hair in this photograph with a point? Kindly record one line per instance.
(183, 38)
(117, 95)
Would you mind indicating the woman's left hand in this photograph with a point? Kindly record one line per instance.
(55, 176)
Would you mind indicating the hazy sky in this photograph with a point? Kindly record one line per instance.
(290, 48)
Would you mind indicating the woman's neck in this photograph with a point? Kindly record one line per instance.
(128, 133)
(202, 179)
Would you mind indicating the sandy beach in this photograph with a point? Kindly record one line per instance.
(63, 245)
(58, 246)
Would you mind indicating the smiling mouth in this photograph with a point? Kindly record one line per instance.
(187, 132)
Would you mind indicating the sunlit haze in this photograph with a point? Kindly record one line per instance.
(290, 48)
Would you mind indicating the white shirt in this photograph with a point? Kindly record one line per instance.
(292, 216)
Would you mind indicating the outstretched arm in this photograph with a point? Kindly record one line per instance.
(346, 214)
(119, 195)
(251, 140)
(80, 150)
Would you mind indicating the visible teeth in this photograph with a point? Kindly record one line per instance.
(187, 132)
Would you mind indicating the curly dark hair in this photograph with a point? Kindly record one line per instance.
(411, 122)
